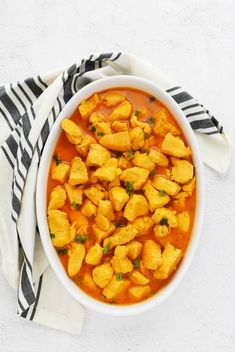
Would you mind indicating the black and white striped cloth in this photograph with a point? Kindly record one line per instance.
(28, 110)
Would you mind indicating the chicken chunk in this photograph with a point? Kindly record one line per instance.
(158, 158)
(189, 187)
(117, 141)
(88, 208)
(102, 274)
(139, 292)
(105, 208)
(83, 147)
(143, 160)
(143, 225)
(72, 131)
(115, 287)
(184, 221)
(78, 173)
(101, 235)
(137, 176)
(75, 195)
(94, 118)
(123, 163)
(170, 258)
(151, 255)
(94, 255)
(175, 146)
(102, 128)
(137, 138)
(76, 255)
(60, 172)
(86, 107)
(89, 282)
(111, 99)
(119, 126)
(120, 262)
(182, 171)
(57, 198)
(60, 230)
(121, 236)
(155, 198)
(97, 155)
(121, 112)
(163, 184)
(143, 125)
(102, 222)
(163, 125)
(161, 231)
(165, 216)
(118, 197)
(95, 194)
(108, 171)
(136, 206)
(134, 249)
(138, 278)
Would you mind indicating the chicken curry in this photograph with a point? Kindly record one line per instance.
(121, 196)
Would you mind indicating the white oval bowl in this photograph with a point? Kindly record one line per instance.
(41, 206)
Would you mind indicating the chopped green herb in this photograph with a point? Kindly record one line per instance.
(52, 235)
(143, 151)
(150, 120)
(137, 112)
(62, 251)
(89, 237)
(146, 135)
(162, 193)
(130, 154)
(106, 248)
(152, 99)
(136, 263)
(80, 238)
(152, 173)
(100, 134)
(92, 128)
(75, 205)
(119, 277)
(129, 187)
(164, 221)
(119, 224)
(57, 160)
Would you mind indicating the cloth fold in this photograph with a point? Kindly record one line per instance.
(28, 110)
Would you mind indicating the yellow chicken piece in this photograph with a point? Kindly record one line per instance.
(105, 208)
(60, 172)
(101, 235)
(161, 231)
(60, 230)
(167, 214)
(75, 195)
(139, 292)
(134, 249)
(89, 282)
(170, 258)
(86, 107)
(136, 206)
(137, 176)
(108, 171)
(88, 209)
(115, 182)
(83, 147)
(143, 160)
(155, 198)
(57, 198)
(115, 287)
(94, 255)
(97, 155)
(102, 222)
(118, 197)
(121, 236)
(184, 221)
(162, 124)
(137, 138)
(189, 187)
(120, 262)
(121, 112)
(102, 274)
(81, 220)
(143, 125)
(119, 126)
(117, 141)
(111, 99)
(138, 278)
(95, 194)
(94, 118)
(151, 255)
(78, 173)
(158, 158)
(182, 171)
(163, 184)
(102, 128)
(72, 131)
(143, 225)
(175, 146)
(123, 163)
(76, 255)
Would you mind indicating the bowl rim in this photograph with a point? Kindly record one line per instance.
(41, 186)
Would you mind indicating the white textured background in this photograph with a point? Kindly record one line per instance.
(194, 42)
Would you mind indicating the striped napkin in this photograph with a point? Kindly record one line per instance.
(28, 110)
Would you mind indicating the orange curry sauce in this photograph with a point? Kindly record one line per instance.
(65, 151)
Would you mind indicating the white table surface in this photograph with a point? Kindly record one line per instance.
(194, 42)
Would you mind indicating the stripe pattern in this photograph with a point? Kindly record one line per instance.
(18, 107)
